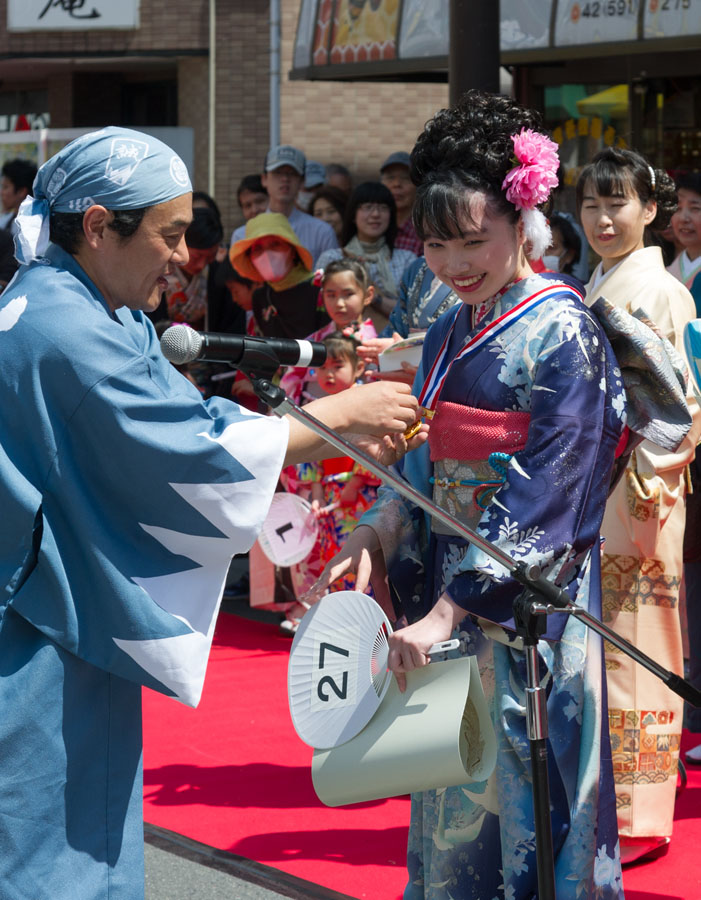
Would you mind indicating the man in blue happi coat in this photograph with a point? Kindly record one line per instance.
(123, 496)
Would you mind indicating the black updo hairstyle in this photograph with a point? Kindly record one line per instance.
(466, 147)
(617, 173)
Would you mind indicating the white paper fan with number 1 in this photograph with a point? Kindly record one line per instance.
(337, 674)
(289, 531)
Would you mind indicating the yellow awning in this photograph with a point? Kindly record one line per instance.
(613, 102)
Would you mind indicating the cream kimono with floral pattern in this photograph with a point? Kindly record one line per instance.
(643, 528)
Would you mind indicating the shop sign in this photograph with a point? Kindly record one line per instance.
(672, 18)
(596, 21)
(524, 24)
(59, 15)
(25, 122)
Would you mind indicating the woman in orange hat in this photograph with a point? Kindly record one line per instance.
(287, 304)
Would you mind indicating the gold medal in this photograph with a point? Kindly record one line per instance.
(412, 430)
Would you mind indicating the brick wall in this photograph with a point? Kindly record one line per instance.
(193, 111)
(242, 99)
(356, 124)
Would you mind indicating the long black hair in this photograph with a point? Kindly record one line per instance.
(369, 192)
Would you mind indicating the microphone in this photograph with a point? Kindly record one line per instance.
(181, 344)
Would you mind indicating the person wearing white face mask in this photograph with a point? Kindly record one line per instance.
(564, 250)
(286, 304)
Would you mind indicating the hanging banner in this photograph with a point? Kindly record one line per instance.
(71, 15)
(397, 36)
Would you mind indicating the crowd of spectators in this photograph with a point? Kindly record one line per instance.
(320, 258)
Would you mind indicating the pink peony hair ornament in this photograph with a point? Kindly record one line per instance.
(318, 278)
(530, 182)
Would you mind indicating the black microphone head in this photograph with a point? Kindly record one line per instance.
(180, 344)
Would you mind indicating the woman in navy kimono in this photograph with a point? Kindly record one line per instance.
(526, 405)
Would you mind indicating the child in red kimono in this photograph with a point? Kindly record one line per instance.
(340, 490)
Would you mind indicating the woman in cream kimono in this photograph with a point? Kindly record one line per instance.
(618, 196)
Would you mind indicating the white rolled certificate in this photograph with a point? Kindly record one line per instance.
(437, 734)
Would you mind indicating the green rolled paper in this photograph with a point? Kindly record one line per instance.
(437, 734)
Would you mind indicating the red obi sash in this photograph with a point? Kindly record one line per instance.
(461, 432)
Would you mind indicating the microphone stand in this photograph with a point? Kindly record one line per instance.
(539, 598)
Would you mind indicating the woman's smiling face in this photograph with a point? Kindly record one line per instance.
(615, 225)
(686, 222)
(485, 256)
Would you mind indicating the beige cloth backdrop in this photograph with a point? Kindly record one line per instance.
(643, 529)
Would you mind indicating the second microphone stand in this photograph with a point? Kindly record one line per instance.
(539, 598)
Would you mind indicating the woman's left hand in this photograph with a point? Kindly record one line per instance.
(406, 374)
(408, 647)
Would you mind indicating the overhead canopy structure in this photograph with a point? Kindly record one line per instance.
(410, 38)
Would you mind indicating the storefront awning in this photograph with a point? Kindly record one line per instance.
(613, 102)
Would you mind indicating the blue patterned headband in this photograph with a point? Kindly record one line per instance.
(115, 167)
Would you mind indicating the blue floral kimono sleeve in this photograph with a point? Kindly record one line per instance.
(549, 509)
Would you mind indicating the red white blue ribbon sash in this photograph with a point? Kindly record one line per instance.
(442, 364)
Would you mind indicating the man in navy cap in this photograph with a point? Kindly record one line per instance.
(314, 178)
(394, 172)
(282, 177)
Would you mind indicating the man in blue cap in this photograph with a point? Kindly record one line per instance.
(394, 173)
(124, 496)
(283, 174)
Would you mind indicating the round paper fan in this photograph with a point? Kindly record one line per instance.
(289, 531)
(337, 674)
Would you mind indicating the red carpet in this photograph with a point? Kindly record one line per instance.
(233, 774)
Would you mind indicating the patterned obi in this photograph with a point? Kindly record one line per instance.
(470, 449)
(461, 432)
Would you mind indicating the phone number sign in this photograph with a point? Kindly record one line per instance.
(596, 21)
(672, 18)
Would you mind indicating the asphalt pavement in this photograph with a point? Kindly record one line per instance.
(178, 868)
